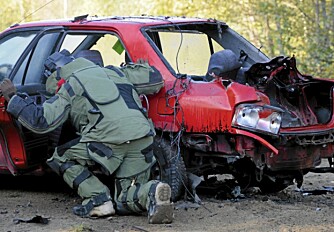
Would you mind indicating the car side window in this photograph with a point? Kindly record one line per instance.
(12, 47)
(111, 49)
(109, 45)
(35, 70)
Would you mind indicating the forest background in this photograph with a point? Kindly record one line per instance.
(300, 28)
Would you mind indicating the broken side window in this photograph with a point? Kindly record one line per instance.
(108, 45)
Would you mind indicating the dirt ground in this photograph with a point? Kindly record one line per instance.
(24, 198)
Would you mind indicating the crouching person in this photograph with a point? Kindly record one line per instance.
(114, 134)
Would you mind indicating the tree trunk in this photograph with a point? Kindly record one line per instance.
(317, 21)
(331, 20)
(332, 15)
(279, 30)
(270, 41)
(325, 30)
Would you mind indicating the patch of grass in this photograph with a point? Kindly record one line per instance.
(81, 228)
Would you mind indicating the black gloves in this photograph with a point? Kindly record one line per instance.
(7, 89)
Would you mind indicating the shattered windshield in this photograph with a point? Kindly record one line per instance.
(186, 49)
(187, 52)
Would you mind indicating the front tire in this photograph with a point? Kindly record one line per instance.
(170, 167)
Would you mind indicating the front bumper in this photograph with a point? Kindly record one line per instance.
(289, 151)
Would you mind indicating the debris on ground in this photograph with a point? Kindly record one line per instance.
(194, 181)
(186, 205)
(324, 190)
(139, 228)
(35, 219)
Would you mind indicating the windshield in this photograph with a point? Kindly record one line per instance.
(186, 49)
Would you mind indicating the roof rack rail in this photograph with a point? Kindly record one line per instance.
(80, 18)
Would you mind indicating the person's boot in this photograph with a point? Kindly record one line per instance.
(160, 210)
(106, 209)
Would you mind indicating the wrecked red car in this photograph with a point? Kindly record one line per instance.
(237, 112)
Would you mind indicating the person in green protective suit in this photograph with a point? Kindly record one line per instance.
(115, 134)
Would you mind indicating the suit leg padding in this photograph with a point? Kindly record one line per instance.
(131, 195)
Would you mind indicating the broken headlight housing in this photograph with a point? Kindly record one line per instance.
(258, 118)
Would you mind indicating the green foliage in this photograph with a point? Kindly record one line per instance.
(81, 228)
(303, 28)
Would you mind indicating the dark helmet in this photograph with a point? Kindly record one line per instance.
(57, 60)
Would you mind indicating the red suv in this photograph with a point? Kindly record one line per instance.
(225, 107)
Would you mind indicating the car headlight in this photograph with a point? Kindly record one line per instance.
(258, 118)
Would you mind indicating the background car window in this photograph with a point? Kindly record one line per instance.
(109, 45)
(111, 49)
(12, 47)
(187, 53)
(71, 42)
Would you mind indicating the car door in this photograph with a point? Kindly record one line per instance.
(22, 55)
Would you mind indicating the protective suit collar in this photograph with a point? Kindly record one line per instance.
(67, 70)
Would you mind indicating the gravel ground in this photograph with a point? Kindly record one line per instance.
(26, 197)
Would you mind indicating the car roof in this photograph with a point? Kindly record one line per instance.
(114, 20)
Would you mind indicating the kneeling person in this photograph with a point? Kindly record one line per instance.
(114, 133)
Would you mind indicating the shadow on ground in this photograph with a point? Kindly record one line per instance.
(45, 183)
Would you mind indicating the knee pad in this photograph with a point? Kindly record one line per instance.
(58, 167)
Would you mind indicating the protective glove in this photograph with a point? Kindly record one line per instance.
(7, 89)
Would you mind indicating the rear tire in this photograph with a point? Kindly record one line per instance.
(170, 167)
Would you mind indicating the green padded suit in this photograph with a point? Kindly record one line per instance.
(115, 133)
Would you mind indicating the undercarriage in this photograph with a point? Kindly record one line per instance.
(254, 165)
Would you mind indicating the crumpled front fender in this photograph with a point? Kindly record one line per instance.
(258, 138)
